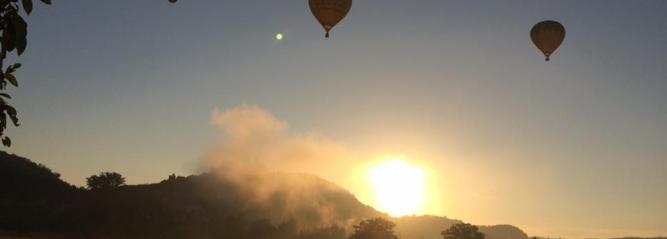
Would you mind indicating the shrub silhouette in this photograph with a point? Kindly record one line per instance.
(105, 180)
(376, 228)
(462, 231)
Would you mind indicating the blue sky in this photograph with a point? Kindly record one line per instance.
(129, 86)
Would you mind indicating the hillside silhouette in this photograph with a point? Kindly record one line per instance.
(35, 201)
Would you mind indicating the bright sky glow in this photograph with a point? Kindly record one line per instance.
(398, 187)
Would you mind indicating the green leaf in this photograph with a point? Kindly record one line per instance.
(12, 114)
(3, 122)
(27, 6)
(8, 35)
(12, 79)
(5, 95)
(6, 141)
(12, 68)
(47, 2)
(21, 28)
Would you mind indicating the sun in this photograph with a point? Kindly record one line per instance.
(398, 187)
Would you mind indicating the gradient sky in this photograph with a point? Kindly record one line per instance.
(573, 148)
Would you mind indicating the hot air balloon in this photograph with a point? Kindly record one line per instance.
(329, 12)
(547, 36)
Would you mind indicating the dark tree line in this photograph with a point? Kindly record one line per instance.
(33, 199)
(379, 228)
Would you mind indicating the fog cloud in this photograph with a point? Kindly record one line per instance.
(256, 150)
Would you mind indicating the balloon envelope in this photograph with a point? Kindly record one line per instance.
(547, 36)
(329, 12)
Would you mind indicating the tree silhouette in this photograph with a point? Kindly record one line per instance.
(462, 231)
(376, 228)
(105, 180)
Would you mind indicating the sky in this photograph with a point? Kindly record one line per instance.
(572, 148)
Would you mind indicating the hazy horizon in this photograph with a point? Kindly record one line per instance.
(572, 148)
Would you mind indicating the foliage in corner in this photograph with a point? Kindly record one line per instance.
(14, 38)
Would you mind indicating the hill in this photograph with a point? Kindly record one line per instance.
(257, 204)
(32, 196)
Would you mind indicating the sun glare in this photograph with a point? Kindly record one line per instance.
(398, 187)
